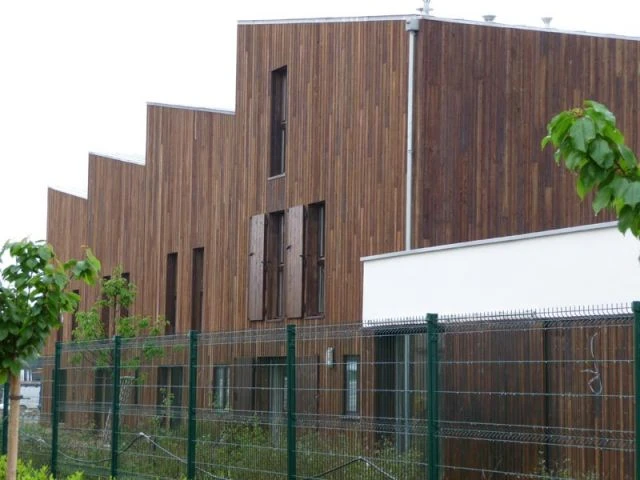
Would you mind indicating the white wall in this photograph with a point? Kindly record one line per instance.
(584, 266)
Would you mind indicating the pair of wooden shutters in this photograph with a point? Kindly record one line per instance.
(293, 264)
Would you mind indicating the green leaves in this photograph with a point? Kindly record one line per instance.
(32, 297)
(582, 132)
(591, 146)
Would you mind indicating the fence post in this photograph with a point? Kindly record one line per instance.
(5, 418)
(432, 369)
(55, 399)
(291, 402)
(635, 306)
(115, 407)
(193, 372)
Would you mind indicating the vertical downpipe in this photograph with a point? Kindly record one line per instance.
(412, 26)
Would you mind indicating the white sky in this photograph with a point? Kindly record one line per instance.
(75, 76)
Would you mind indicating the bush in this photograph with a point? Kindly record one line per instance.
(28, 472)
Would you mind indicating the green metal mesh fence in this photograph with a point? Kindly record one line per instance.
(544, 394)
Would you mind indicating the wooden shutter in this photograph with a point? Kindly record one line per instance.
(307, 385)
(294, 261)
(256, 268)
(242, 378)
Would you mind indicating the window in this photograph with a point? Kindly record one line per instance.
(351, 380)
(315, 251)
(103, 395)
(278, 121)
(74, 317)
(274, 285)
(105, 312)
(221, 387)
(197, 289)
(171, 293)
(124, 309)
(169, 395)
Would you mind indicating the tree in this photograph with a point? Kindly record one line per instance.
(117, 294)
(592, 147)
(32, 298)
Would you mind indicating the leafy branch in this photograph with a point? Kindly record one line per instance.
(590, 145)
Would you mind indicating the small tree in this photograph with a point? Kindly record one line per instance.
(592, 147)
(117, 294)
(32, 299)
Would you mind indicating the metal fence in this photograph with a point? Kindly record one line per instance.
(539, 394)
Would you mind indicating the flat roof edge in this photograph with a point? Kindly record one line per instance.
(463, 21)
(132, 159)
(71, 194)
(191, 108)
(277, 21)
(493, 241)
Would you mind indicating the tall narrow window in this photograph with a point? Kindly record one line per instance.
(74, 317)
(315, 251)
(171, 293)
(275, 265)
(278, 121)
(197, 289)
(351, 381)
(105, 311)
(221, 387)
(124, 309)
(103, 395)
(169, 395)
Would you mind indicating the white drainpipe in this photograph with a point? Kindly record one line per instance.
(412, 26)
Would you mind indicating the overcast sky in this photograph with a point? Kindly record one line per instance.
(75, 76)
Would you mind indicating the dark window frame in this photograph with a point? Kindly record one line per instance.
(352, 386)
(221, 395)
(279, 107)
(197, 289)
(105, 312)
(171, 293)
(170, 382)
(315, 248)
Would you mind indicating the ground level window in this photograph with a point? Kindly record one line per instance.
(351, 380)
(221, 387)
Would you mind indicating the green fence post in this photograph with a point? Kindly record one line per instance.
(193, 372)
(115, 407)
(55, 399)
(432, 424)
(635, 306)
(5, 418)
(291, 402)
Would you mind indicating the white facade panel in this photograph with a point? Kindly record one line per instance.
(585, 266)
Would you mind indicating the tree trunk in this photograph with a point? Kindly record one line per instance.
(14, 418)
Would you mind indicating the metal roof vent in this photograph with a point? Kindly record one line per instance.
(489, 18)
(547, 21)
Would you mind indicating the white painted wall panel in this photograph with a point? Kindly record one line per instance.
(590, 266)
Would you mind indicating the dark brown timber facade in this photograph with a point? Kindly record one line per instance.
(258, 218)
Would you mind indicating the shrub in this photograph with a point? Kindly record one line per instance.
(26, 471)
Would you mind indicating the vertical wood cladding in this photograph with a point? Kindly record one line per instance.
(67, 232)
(484, 95)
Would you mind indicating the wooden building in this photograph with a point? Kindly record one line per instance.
(258, 218)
